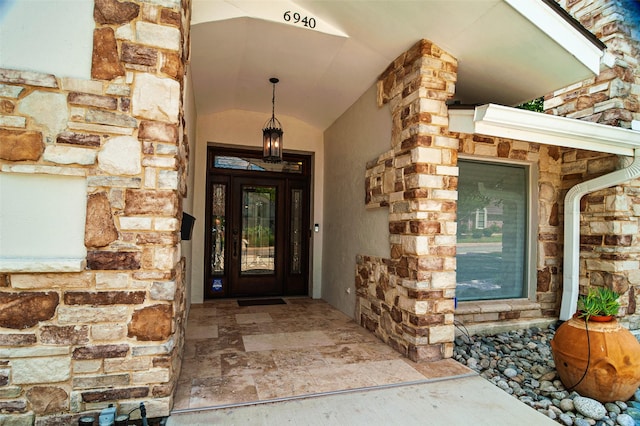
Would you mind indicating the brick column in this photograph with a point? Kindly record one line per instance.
(408, 300)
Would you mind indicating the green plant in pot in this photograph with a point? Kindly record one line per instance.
(599, 304)
(594, 354)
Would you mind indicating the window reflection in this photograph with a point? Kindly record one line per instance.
(258, 230)
(492, 223)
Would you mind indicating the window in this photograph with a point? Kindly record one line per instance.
(256, 164)
(493, 223)
(481, 218)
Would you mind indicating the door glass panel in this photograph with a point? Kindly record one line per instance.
(256, 164)
(217, 228)
(258, 230)
(296, 230)
(492, 231)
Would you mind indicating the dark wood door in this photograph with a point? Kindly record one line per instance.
(258, 239)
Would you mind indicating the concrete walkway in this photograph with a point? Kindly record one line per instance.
(469, 400)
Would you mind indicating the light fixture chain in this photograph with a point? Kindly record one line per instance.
(273, 102)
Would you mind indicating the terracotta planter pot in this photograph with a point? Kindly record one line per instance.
(601, 318)
(614, 365)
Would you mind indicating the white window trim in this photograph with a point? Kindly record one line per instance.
(481, 214)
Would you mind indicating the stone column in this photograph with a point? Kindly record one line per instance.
(112, 333)
(409, 299)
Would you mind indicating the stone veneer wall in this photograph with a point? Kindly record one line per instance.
(547, 160)
(609, 244)
(607, 235)
(408, 300)
(76, 342)
(607, 239)
(612, 97)
(411, 313)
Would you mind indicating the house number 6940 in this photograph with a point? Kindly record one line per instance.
(296, 18)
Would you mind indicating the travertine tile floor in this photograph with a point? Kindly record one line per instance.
(238, 355)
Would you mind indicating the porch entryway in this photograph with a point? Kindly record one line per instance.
(237, 355)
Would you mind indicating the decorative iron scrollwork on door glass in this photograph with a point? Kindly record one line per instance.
(218, 220)
(296, 231)
(257, 245)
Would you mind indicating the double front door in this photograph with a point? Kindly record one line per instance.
(258, 225)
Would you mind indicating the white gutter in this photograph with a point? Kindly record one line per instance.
(520, 124)
(571, 268)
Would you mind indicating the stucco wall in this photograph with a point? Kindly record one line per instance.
(361, 134)
(62, 44)
(191, 117)
(244, 129)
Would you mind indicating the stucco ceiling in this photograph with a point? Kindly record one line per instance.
(503, 56)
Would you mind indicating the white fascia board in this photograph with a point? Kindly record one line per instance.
(559, 30)
(519, 124)
(461, 120)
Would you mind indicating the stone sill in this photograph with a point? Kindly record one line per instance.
(26, 265)
(492, 306)
(497, 311)
(497, 316)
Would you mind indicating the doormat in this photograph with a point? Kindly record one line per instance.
(258, 302)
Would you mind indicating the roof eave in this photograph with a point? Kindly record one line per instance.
(564, 30)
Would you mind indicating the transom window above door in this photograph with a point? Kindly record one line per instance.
(256, 164)
(493, 226)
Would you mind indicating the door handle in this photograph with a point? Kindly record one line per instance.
(235, 244)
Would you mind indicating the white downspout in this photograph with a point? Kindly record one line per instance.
(571, 260)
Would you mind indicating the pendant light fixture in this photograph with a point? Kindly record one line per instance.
(272, 132)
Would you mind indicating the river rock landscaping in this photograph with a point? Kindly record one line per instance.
(520, 363)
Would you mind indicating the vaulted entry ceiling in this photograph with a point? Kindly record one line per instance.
(509, 51)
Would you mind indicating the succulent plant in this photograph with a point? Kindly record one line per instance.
(599, 301)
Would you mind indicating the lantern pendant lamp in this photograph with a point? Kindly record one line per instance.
(272, 132)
